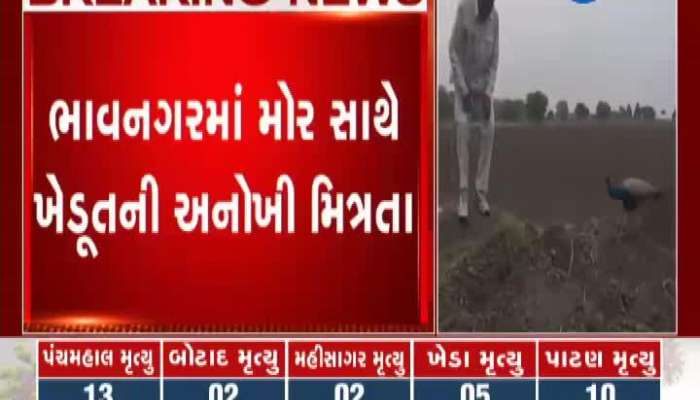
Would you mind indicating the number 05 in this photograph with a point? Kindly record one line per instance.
(478, 392)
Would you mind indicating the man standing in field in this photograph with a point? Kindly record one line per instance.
(474, 59)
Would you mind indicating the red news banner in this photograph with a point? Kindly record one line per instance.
(218, 172)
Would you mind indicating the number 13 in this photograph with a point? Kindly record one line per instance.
(104, 391)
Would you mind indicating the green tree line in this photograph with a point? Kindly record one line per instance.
(536, 108)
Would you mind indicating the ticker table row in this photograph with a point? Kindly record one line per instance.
(355, 369)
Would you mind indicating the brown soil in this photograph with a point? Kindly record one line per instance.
(553, 257)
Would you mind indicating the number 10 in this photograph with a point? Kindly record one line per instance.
(607, 391)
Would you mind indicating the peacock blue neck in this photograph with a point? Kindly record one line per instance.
(618, 193)
(629, 203)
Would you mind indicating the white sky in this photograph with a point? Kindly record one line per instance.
(621, 51)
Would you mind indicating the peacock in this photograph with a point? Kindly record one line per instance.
(633, 192)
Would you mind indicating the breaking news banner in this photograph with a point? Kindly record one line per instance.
(227, 5)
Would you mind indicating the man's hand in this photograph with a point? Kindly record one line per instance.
(478, 85)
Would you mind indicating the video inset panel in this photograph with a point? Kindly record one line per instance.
(557, 166)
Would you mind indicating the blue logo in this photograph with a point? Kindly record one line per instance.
(583, 1)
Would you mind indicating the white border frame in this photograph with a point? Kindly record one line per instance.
(552, 335)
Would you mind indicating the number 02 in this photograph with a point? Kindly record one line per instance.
(343, 391)
(607, 391)
(219, 391)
